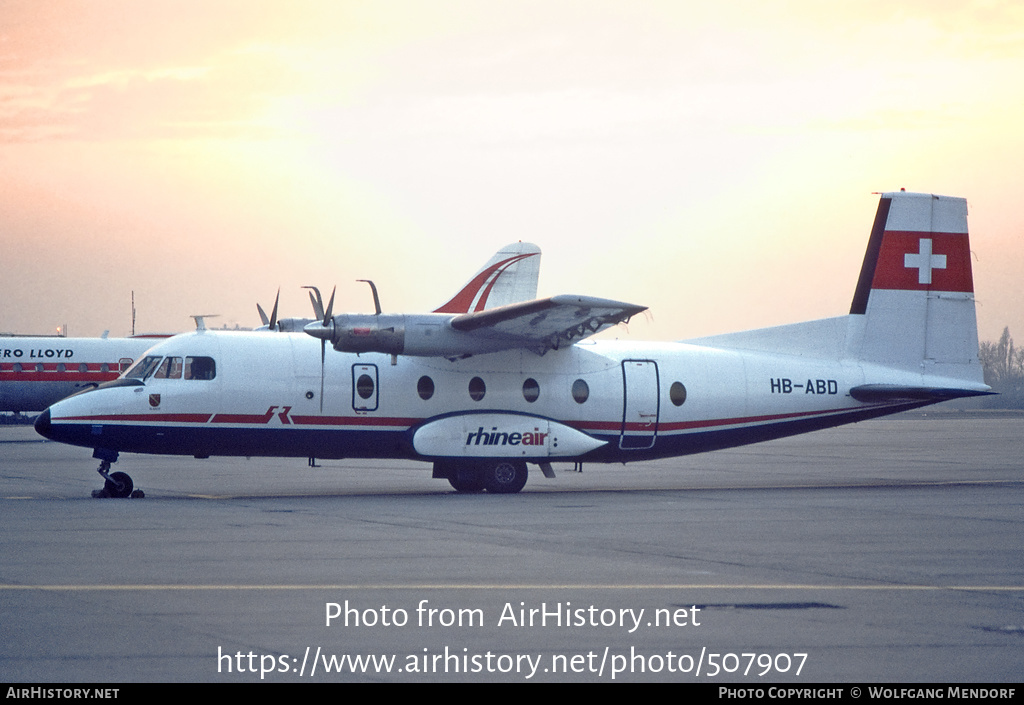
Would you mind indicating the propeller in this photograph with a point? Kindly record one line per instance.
(322, 329)
(317, 301)
(270, 323)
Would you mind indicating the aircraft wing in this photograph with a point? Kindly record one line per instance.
(545, 324)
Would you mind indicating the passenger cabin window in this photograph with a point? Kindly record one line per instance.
(477, 389)
(531, 390)
(677, 393)
(580, 391)
(425, 387)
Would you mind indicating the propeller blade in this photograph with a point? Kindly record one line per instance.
(263, 315)
(373, 288)
(273, 314)
(323, 357)
(318, 302)
(329, 313)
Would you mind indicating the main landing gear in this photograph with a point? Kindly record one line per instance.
(116, 484)
(497, 476)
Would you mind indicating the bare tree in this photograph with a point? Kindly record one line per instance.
(1003, 363)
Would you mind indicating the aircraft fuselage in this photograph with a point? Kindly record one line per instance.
(637, 401)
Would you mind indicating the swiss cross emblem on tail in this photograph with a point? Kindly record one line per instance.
(924, 260)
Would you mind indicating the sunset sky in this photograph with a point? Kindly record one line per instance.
(713, 161)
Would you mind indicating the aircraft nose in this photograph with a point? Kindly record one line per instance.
(42, 424)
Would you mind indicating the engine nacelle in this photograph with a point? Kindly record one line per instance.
(423, 335)
(359, 333)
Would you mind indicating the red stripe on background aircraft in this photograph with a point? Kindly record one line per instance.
(488, 388)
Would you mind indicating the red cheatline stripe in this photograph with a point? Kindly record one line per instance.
(244, 418)
(247, 418)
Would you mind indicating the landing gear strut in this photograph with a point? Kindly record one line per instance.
(117, 484)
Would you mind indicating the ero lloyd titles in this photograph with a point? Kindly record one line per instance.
(500, 438)
(36, 354)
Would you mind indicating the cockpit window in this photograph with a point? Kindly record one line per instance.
(170, 368)
(200, 368)
(143, 368)
(195, 367)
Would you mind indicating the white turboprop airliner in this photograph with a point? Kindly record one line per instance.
(481, 392)
(37, 371)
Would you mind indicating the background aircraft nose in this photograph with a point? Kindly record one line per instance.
(42, 424)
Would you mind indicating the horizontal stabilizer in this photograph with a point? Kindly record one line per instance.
(889, 393)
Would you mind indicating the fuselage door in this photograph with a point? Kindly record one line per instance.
(639, 404)
(364, 387)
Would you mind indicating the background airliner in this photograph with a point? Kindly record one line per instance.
(37, 371)
(496, 379)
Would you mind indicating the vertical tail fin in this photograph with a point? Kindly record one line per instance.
(509, 277)
(916, 289)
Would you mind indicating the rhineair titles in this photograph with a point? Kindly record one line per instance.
(784, 385)
(502, 438)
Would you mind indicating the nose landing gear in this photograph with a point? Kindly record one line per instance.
(116, 484)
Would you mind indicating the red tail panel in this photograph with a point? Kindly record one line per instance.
(928, 261)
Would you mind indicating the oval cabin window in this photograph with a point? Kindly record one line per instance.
(531, 390)
(477, 389)
(580, 391)
(425, 387)
(364, 386)
(677, 393)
